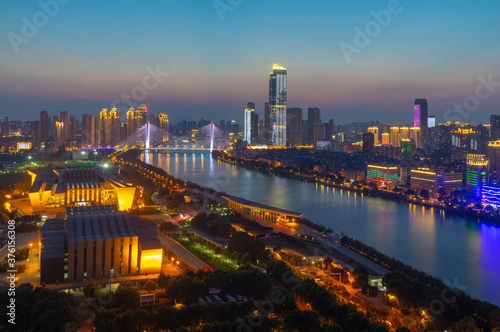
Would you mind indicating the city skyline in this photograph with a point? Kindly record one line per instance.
(67, 66)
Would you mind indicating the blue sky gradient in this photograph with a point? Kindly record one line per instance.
(92, 52)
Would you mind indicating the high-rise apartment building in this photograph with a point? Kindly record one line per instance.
(163, 124)
(65, 126)
(374, 131)
(313, 117)
(294, 127)
(130, 122)
(495, 127)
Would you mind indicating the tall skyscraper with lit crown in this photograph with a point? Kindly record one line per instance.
(277, 104)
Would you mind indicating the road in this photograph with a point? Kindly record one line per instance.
(185, 254)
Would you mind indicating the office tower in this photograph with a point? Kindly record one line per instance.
(416, 135)
(385, 138)
(313, 117)
(44, 126)
(436, 180)
(141, 116)
(163, 124)
(113, 127)
(294, 127)
(477, 168)
(151, 119)
(54, 127)
(420, 113)
(102, 128)
(65, 126)
(374, 131)
(431, 121)
(72, 128)
(494, 127)
(368, 142)
(88, 129)
(130, 122)
(494, 162)
(395, 140)
(277, 104)
(322, 131)
(247, 123)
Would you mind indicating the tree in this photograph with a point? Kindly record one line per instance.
(302, 321)
(465, 325)
(163, 279)
(91, 288)
(126, 297)
(150, 286)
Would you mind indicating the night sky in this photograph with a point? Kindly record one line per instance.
(87, 54)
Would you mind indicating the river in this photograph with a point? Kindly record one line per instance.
(459, 251)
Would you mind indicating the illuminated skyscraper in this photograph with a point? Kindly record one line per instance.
(494, 159)
(113, 127)
(141, 116)
(163, 121)
(385, 138)
(130, 122)
(416, 135)
(374, 131)
(477, 167)
(65, 126)
(247, 129)
(495, 127)
(420, 110)
(277, 104)
(395, 140)
(102, 130)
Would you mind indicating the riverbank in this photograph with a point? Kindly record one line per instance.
(469, 213)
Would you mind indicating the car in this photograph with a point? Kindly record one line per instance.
(217, 299)
(245, 298)
(200, 299)
(209, 300)
(230, 298)
(239, 297)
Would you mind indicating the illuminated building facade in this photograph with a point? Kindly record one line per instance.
(141, 116)
(385, 138)
(98, 242)
(495, 127)
(247, 126)
(277, 104)
(416, 135)
(494, 162)
(163, 124)
(130, 122)
(431, 121)
(394, 138)
(382, 175)
(102, 129)
(420, 111)
(436, 180)
(476, 177)
(374, 131)
(114, 128)
(65, 127)
(407, 149)
(79, 187)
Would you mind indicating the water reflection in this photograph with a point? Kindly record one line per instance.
(443, 245)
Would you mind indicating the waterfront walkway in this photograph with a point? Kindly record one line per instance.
(183, 253)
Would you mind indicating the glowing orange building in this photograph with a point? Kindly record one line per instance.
(98, 242)
(80, 187)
